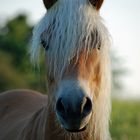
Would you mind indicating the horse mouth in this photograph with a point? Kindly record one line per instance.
(76, 130)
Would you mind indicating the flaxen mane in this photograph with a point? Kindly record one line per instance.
(67, 28)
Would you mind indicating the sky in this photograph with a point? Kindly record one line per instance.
(122, 18)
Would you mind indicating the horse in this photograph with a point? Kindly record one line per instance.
(77, 105)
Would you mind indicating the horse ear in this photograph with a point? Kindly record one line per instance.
(49, 3)
(96, 3)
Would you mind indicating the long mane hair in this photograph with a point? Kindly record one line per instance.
(70, 28)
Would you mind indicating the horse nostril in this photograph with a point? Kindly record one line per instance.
(87, 107)
(60, 107)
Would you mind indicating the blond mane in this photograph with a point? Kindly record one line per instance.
(67, 28)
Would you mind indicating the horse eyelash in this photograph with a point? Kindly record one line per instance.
(43, 43)
(99, 47)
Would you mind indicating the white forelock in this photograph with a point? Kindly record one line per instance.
(67, 28)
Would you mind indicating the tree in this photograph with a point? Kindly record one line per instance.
(15, 68)
(118, 70)
(14, 38)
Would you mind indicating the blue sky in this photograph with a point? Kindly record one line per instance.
(122, 18)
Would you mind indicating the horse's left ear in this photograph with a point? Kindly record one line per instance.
(49, 3)
(96, 3)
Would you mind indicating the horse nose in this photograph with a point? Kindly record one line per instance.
(73, 111)
(82, 107)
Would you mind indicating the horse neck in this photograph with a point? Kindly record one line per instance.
(34, 128)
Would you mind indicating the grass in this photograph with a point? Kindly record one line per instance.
(125, 120)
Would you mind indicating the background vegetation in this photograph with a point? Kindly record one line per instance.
(16, 72)
(125, 120)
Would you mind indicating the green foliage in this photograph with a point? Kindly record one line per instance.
(125, 120)
(15, 67)
(8, 73)
(14, 39)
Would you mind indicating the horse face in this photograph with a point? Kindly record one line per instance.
(72, 59)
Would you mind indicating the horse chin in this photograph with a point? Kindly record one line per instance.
(76, 130)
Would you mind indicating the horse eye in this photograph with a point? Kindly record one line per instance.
(99, 47)
(43, 43)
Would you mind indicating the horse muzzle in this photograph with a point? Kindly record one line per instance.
(73, 110)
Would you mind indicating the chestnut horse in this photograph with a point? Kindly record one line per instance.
(78, 106)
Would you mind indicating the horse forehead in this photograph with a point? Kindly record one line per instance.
(66, 39)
